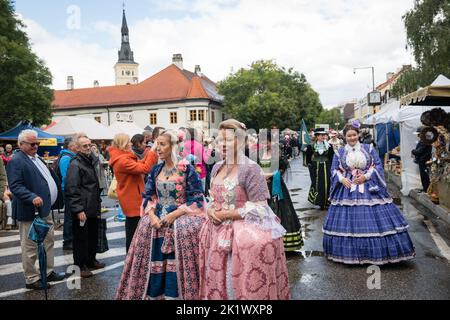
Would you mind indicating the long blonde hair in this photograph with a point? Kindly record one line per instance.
(121, 141)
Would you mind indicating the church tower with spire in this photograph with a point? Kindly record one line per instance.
(126, 69)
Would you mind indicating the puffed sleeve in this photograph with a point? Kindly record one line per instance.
(149, 197)
(255, 183)
(375, 173)
(256, 210)
(336, 170)
(337, 175)
(195, 199)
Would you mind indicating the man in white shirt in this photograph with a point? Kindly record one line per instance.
(35, 190)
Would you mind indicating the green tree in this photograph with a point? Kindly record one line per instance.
(25, 92)
(408, 82)
(331, 117)
(428, 35)
(267, 95)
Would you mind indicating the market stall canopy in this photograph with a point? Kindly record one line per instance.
(69, 126)
(45, 138)
(436, 94)
(409, 119)
(388, 113)
(413, 113)
(126, 127)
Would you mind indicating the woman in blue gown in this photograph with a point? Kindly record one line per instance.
(363, 225)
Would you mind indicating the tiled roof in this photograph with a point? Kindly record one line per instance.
(394, 78)
(170, 84)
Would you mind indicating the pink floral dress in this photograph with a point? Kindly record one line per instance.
(243, 259)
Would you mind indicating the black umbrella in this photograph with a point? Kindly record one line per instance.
(38, 231)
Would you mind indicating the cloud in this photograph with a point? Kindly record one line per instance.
(323, 39)
(69, 56)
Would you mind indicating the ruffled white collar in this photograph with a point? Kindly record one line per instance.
(355, 157)
(356, 147)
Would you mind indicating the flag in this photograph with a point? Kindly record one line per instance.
(304, 137)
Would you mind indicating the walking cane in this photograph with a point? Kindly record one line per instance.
(38, 232)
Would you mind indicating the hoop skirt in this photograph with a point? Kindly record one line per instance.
(363, 226)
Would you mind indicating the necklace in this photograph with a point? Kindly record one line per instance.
(169, 172)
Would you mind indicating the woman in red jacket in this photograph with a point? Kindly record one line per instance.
(129, 173)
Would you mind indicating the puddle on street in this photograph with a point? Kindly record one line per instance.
(303, 254)
(306, 231)
(309, 219)
(308, 278)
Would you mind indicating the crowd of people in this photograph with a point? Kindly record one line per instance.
(205, 219)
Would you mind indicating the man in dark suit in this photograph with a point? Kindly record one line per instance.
(82, 192)
(35, 190)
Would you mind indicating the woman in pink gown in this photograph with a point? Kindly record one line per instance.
(241, 244)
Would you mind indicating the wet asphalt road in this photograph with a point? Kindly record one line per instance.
(311, 275)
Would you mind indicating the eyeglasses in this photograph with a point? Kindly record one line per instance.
(33, 145)
(86, 146)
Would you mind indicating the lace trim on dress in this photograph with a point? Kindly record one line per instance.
(361, 202)
(368, 261)
(365, 235)
(262, 216)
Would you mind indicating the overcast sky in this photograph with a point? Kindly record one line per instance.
(324, 39)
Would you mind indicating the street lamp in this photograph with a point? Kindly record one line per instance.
(374, 98)
(373, 74)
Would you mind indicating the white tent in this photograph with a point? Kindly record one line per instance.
(409, 118)
(389, 113)
(68, 126)
(441, 81)
(125, 127)
(436, 94)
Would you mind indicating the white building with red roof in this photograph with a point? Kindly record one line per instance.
(172, 98)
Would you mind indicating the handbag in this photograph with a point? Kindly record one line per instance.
(102, 242)
(112, 191)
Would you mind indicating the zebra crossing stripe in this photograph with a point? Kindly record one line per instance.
(64, 260)
(57, 232)
(58, 244)
(23, 290)
(16, 237)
